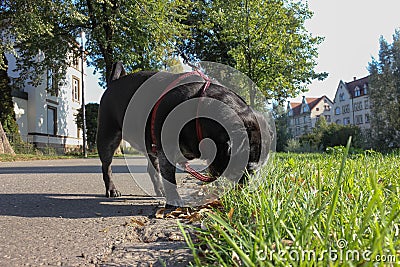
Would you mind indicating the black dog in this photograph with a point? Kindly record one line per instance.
(114, 104)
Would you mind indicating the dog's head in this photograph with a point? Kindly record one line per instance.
(259, 135)
(260, 138)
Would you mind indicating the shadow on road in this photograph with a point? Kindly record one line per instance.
(69, 169)
(75, 206)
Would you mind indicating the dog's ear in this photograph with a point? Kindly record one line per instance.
(117, 72)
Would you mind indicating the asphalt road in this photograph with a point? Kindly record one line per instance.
(55, 213)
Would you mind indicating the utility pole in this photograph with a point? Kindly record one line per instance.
(82, 48)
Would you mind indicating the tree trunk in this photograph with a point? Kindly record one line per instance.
(5, 147)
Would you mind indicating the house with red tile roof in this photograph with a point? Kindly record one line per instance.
(352, 103)
(304, 115)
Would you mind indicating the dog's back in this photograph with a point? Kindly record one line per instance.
(119, 92)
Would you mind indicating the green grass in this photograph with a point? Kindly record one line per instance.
(26, 157)
(310, 210)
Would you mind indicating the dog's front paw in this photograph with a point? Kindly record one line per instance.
(113, 193)
(174, 203)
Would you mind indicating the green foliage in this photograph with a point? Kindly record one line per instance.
(7, 114)
(45, 32)
(91, 111)
(310, 210)
(293, 145)
(385, 95)
(337, 135)
(266, 40)
(281, 121)
(42, 33)
(331, 135)
(138, 33)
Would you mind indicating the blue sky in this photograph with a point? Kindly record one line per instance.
(351, 28)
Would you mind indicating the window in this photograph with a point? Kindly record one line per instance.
(346, 109)
(357, 92)
(327, 107)
(337, 111)
(304, 119)
(366, 104)
(357, 106)
(338, 122)
(52, 85)
(365, 89)
(51, 120)
(297, 130)
(328, 118)
(346, 121)
(75, 89)
(305, 108)
(367, 118)
(341, 96)
(359, 119)
(74, 60)
(317, 109)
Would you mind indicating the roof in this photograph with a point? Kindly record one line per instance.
(351, 86)
(296, 107)
(311, 101)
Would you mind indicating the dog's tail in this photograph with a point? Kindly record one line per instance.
(117, 72)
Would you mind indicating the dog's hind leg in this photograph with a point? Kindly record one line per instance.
(107, 142)
(153, 168)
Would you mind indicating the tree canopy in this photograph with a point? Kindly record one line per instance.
(266, 40)
(385, 95)
(45, 32)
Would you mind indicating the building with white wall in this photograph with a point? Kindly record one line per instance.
(46, 114)
(304, 115)
(352, 103)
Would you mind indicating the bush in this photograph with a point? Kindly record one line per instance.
(332, 135)
(293, 145)
(91, 111)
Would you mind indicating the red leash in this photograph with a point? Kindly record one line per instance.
(199, 133)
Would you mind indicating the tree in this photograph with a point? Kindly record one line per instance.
(41, 34)
(5, 147)
(324, 135)
(266, 40)
(139, 33)
(281, 123)
(92, 110)
(44, 36)
(314, 140)
(338, 135)
(385, 95)
(7, 114)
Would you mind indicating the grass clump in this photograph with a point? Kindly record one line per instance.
(311, 210)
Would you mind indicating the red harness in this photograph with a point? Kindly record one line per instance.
(199, 133)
